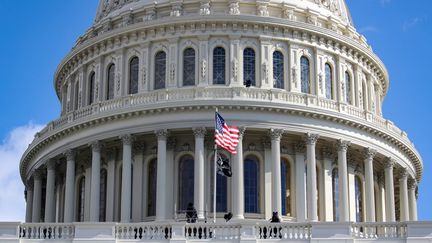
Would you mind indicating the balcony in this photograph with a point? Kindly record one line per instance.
(216, 232)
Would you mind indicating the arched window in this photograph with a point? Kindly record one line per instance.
(249, 66)
(365, 96)
(188, 67)
(335, 185)
(76, 96)
(348, 98)
(91, 94)
(81, 199)
(133, 75)
(328, 81)
(110, 82)
(305, 75)
(221, 190)
(151, 188)
(219, 65)
(358, 199)
(103, 195)
(251, 185)
(286, 187)
(186, 181)
(278, 70)
(160, 70)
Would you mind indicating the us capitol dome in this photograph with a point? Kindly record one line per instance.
(133, 146)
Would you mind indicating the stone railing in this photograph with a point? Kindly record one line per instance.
(220, 232)
(40, 231)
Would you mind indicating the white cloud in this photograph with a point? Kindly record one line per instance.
(367, 29)
(413, 22)
(12, 203)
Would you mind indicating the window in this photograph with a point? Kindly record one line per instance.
(358, 199)
(278, 70)
(335, 185)
(305, 75)
(133, 75)
(189, 67)
(365, 96)
(76, 96)
(81, 199)
(186, 183)
(328, 81)
(160, 70)
(221, 190)
(151, 188)
(286, 187)
(92, 84)
(110, 83)
(249, 66)
(103, 194)
(251, 185)
(219, 65)
(348, 88)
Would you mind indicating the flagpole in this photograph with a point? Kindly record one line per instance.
(215, 178)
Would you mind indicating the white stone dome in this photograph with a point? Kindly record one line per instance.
(329, 8)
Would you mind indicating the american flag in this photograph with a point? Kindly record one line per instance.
(226, 137)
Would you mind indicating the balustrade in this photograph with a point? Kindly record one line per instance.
(291, 231)
(47, 231)
(143, 231)
(379, 230)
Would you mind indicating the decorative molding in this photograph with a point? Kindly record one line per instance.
(199, 132)
(300, 147)
(311, 139)
(276, 134)
(343, 145)
(162, 134)
(96, 146)
(70, 155)
(369, 153)
(127, 139)
(390, 163)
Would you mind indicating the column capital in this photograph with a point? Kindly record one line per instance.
(96, 146)
(199, 132)
(127, 139)
(37, 175)
(266, 143)
(404, 174)
(276, 134)
(412, 184)
(299, 147)
(162, 134)
(390, 163)
(369, 153)
(343, 145)
(311, 139)
(70, 154)
(242, 131)
(51, 164)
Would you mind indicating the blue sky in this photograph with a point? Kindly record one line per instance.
(36, 35)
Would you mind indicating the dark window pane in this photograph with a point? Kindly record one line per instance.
(160, 70)
(251, 185)
(348, 88)
(110, 83)
(186, 185)
(151, 190)
(133, 75)
(103, 193)
(91, 88)
(219, 65)
(278, 70)
(189, 67)
(249, 66)
(305, 75)
(328, 82)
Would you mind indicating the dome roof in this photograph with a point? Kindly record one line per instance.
(330, 8)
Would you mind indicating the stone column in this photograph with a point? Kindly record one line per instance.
(237, 180)
(343, 180)
(70, 187)
(300, 182)
(403, 194)
(267, 178)
(389, 190)
(95, 182)
(161, 175)
(138, 177)
(382, 205)
(312, 197)
(125, 213)
(329, 157)
(37, 197)
(29, 203)
(199, 195)
(276, 135)
(50, 193)
(369, 155)
(412, 186)
(111, 157)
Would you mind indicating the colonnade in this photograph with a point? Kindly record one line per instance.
(306, 202)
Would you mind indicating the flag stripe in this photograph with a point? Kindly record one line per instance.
(226, 136)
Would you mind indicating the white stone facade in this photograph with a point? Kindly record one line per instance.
(134, 142)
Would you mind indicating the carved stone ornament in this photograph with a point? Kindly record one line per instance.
(251, 147)
(150, 14)
(96, 146)
(127, 139)
(328, 153)
(203, 68)
(299, 147)
(266, 143)
(186, 147)
(51, 164)
(234, 8)
(205, 8)
(294, 75)
(262, 10)
(176, 9)
(70, 155)
(311, 139)
(172, 72)
(235, 68)
(242, 131)
(265, 67)
(276, 134)
(343, 145)
(404, 174)
(199, 132)
(162, 134)
(172, 143)
(390, 163)
(138, 148)
(143, 76)
(288, 13)
(369, 153)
